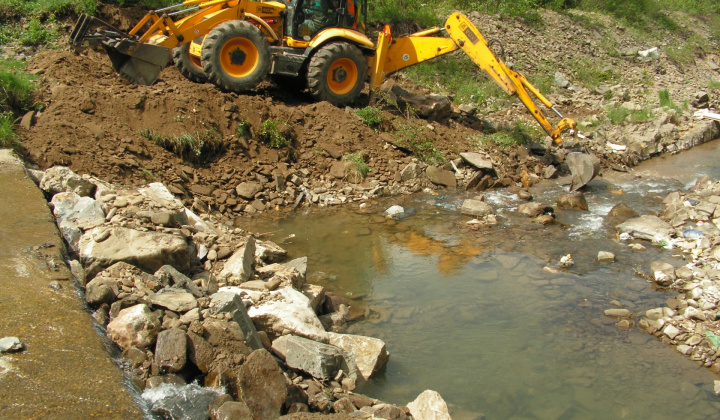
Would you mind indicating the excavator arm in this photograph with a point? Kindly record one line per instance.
(395, 54)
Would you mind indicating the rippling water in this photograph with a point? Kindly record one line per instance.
(472, 314)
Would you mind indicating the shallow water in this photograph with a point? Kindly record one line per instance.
(473, 315)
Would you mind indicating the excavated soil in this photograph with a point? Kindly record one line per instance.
(93, 121)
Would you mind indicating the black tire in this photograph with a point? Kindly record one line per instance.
(189, 65)
(337, 73)
(236, 56)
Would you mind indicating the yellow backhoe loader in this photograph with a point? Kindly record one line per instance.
(236, 44)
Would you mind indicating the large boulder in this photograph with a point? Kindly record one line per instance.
(75, 214)
(322, 361)
(476, 208)
(102, 247)
(62, 179)
(135, 326)
(171, 350)
(647, 227)
(283, 311)
(477, 160)
(230, 303)
(440, 176)
(369, 353)
(238, 268)
(187, 402)
(429, 405)
(262, 385)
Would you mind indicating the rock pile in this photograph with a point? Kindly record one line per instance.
(689, 222)
(190, 300)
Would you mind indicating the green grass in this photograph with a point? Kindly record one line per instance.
(45, 8)
(714, 84)
(8, 138)
(511, 135)
(666, 101)
(360, 168)
(197, 147)
(16, 87)
(591, 75)
(36, 33)
(411, 137)
(370, 115)
(271, 134)
(619, 115)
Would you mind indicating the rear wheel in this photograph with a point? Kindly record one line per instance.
(189, 65)
(236, 56)
(337, 73)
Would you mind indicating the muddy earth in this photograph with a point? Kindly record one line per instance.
(96, 123)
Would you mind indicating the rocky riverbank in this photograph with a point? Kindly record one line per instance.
(190, 300)
(688, 224)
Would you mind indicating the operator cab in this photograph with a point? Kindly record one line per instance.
(306, 18)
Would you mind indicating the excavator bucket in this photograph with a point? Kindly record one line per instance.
(136, 61)
(583, 168)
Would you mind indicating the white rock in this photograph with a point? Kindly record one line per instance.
(671, 331)
(429, 405)
(134, 326)
(238, 267)
(62, 179)
(394, 212)
(284, 311)
(75, 214)
(370, 353)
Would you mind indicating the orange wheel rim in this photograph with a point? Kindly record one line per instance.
(239, 57)
(342, 76)
(196, 61)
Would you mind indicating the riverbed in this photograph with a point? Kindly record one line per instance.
(471, 312)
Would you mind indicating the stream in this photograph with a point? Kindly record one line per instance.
(472, 314)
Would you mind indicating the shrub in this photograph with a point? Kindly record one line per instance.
(360, 168)
(271, 134)
(16, 87)
(197, 147)
(412, 139)
(37, 34)
(370, 115)
(45, 8)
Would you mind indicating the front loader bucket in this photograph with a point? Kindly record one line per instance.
(136, 61)
(583, 167)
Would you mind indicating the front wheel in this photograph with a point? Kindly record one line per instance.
(236, 56)
(188, 64)
(336, 73)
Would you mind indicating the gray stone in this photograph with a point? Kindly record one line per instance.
(175, 301)
(238, 268)
(617, 313)
(269, 252)
(694, 313)
(429, 405)
(533, 209)
(322, 361)
(647, 227)
(247, 190)
(654, 314)
(230, 303)
(662, 273)
(550, 172)
(477, 160)
(439, 176)
(396, 212)
(263, 385)
(282, 275)
(671, 331)
(171, 350)
(369, 353)
(561, 80)
(188, 402)
(574, 201)
(476, 208)
(389, 412)
(135, 326)
(411, 171)
(62, 179)
(300, 264)
(146, 250)
(10, 344)
(605, 256)
(316, 295)
(684, 349)
(167, 274)
(74, 214)
(233, 410)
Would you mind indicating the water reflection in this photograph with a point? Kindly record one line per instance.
(474, 315)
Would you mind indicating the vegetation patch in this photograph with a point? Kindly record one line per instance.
(198, 147)
(359, 168)
(275, 134)
(371, 116)
(410, 137)
(8, 138)
(619, 115)
(511, 135)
